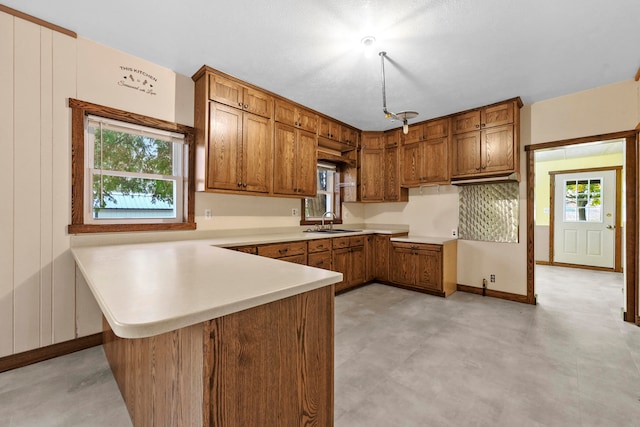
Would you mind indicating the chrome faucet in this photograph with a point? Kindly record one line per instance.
(323, 217)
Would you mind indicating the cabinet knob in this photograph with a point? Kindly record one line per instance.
(477, 126)
(483, 125)
(239, 184)
(239, 104)
(245, 105)
(244, 185)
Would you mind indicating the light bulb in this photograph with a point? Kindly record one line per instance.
(405, 127)
(368, 42)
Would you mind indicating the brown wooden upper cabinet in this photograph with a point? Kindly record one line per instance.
(371, 167)
(485, 141)
(424, 156)
(298, 117)
(294, 161)
(393, 192)
(236, 95)
(329, 129)
(349, 136)
(239, 150)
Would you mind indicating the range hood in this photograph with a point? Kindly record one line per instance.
(487, 180)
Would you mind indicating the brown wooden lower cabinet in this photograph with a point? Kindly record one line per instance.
(290, 251)
(424, 267)
(270, 365)
(381, 247)
(349, 259)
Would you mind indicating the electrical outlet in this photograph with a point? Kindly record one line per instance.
(207, 214)
(493, 278)
(454, 232)
(294, 212)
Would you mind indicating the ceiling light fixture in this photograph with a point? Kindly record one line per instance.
(368, 42)
(403, 116)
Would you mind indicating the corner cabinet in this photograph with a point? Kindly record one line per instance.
(424, 154)
(485, 142)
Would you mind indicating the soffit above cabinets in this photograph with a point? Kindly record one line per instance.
(444, 56)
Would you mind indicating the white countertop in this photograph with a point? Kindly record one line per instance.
(423, 239)
(151, 288)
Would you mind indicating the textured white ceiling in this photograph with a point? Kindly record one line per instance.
(445, 55)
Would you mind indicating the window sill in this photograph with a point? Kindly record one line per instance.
(114, 228)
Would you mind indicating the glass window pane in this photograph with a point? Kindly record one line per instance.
(120, 151)
(316, 207)
(123, 197)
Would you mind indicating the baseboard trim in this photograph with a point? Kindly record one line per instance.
(25, 358)
(493, 293)
(543, 263)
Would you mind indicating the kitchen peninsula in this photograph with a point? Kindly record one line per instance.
(200, 335)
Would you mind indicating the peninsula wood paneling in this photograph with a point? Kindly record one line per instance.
(6, 189)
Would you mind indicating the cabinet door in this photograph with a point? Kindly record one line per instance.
(357, 273)
(415, 134)
(285, 113)
(256, 154)
(392, 138)
(371, 186)
(340, 263)
(370, 256)
(307, 120)
(306, 164)
(497, 149)
(284, 169)
(411, 164)
(465, 154)
(225, 139)
(372, 140)
(466, 122)
(435, 161)
(257, 102)
(429, 269)
(437, 129)
(401, 266)
(225, 91)
(381, 263)
(497, 115)
(391, 178)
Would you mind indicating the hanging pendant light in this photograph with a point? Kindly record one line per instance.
(403, 116)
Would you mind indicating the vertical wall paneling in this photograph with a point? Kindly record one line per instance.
(6, 190)
(46, 187)
(64, 87)
(27, 120)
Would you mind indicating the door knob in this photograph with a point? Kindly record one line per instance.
(610, 227)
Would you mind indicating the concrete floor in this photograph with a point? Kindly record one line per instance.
(408, 359)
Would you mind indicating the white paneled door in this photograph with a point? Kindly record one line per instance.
(585, 218)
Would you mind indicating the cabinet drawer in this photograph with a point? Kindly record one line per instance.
(416, 246)
(340, 242)
(320, 260)
(319, 245)
(298, 259)
(281, 250)
(356, 240)
(246, 249)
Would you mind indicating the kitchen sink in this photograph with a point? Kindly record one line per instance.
(334, 230)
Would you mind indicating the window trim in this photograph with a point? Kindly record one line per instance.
(79, 110)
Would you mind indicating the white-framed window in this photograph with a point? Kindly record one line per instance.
(134, 173)
(583, 200)
(327, 195)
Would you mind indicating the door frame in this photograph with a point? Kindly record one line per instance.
(617, 264)
(631, 167)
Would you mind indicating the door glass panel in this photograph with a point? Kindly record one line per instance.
(583, 200)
